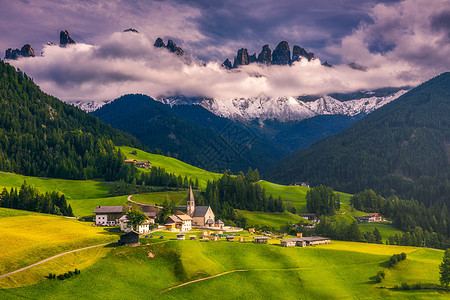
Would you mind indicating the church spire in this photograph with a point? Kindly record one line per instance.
(190, 205)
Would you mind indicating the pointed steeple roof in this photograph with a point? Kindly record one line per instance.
(191, 194)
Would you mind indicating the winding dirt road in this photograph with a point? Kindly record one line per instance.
(50, 258)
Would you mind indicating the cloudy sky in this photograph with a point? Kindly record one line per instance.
(398, 42)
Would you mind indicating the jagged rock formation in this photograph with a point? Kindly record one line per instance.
(131, 30)
(171, 46)
(227, 64)
(174, 48)
(159, 43)
(26, 51)
(298, 52)
(280, 56)
(265, 56)
(64, 38)
(241, 59)
(326, 64)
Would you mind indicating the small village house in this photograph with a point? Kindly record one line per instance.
(108, 215)
(310, 217)
(372, 217)
(143, 164)
(178, 223)
(125, 225)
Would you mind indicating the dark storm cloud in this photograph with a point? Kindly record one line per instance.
(397, 43)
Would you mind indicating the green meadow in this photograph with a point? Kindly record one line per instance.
(336, 271)
(28, 238)
(385, 229)
(158, 198)
(270, 219)
(72, 189)
(172, 165)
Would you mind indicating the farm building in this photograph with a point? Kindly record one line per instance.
(181, 236)
(150, 211)
(202, 216)
(261, 239)
(310, 217)
(305, 241)
(230, 238)
(129, 239)
(372, 217)
(143, 164)
(108, 215)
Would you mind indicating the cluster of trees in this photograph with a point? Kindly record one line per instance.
(395, 258)
(342, 230)
(159, 177)
(31, 199)
(42, 136)
(419, 238)
(64, 276)
(322, 200)
(239, 192)
(405, 214)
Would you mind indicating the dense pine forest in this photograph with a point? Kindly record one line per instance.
(401, 149)
(42, 136)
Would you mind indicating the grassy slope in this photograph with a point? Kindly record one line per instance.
(178, 197)
(72, 189)
(271, 272)
(28, 239)
(297, 195)
(172, 165)
(385, 229)
(270, 219)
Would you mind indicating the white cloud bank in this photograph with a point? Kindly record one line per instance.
(412, 36)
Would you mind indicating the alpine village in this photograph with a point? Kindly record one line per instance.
(145, 167)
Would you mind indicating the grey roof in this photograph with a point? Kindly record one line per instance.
(219, 222)
(171, 220)
(209, 221)
(200, 211)
(308, 238)
(108, 209)
(261, 238)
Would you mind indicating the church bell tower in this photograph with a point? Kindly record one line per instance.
(190, 205)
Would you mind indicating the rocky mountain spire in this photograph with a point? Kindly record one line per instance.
(298, 52)
(26, 51)
(174, 48)
(241, 59)
(282, 54)
(159, 43)
(265, 57)
(227, 64)
(64, 38)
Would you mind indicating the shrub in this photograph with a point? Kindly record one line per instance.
(61, 277)
(403, 255)
(417, 286)
(71, 273)
(66, 275)
(405, 286)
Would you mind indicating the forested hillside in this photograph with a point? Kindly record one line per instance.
(195, 135)
(42, 136)
(403, 148)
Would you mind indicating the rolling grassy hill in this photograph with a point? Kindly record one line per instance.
(265, 272)
(26, 238)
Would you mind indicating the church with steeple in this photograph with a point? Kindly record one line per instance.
(202, 216)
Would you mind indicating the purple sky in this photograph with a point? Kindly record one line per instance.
(401, 42)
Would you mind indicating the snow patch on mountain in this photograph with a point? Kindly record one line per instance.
(88, 106)
(291, 109)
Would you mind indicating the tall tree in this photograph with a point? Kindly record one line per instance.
(444, 269)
